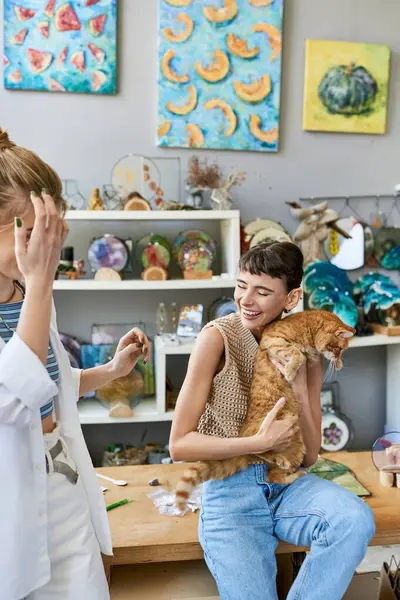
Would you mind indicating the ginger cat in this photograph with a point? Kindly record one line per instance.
(285, 345)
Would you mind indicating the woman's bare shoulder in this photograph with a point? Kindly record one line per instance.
(210, 337)
(207, 354)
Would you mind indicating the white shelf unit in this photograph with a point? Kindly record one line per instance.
(153, 409)
(92, 412)
(229, 224)
(186, 346)
(89, 285)
(152, 215)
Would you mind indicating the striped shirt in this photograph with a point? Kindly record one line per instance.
(9, 314)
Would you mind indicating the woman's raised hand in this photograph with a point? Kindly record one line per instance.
(38, 255)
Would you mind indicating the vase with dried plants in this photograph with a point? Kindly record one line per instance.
(201, 177)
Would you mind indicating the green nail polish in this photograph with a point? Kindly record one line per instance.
(18, 222)
(34, 194)
(44, 191)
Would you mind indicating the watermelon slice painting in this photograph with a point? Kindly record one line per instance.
(54, 86)
(62, 57)
(19, 37)
(15, 76)
(6, 62)
(49, 10)
(44, 28)
(66, 19)
(96, 25)
(40, 61)
(24, 14)
(61, 45)
(97, 52)
(99, 78)
(78, 60)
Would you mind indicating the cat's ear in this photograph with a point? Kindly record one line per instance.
(344, 333)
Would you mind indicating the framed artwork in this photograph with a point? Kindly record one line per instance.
(220, 74)
(190, 320)
(152, 177)
(58, 46)
(346, 87)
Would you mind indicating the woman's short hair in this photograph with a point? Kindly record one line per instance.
(280, 260)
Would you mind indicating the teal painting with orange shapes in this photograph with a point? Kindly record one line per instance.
(220, 74)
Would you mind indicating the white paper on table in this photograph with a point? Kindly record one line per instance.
(165, 502)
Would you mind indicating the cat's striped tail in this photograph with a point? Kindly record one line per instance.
(200, 472)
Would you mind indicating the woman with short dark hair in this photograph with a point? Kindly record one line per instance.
(243, 516)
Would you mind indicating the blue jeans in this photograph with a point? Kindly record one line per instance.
(242, 518)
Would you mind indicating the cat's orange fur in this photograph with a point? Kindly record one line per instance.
(285, 345)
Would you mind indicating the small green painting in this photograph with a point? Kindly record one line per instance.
(346, 87)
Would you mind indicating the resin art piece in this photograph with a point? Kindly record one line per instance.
(329, 288)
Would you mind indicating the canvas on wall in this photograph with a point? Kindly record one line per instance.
(220, 74)
(346, 87)
(59, 46)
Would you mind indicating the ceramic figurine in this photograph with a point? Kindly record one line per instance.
(80, 267)
(313, 230)
(95, 201)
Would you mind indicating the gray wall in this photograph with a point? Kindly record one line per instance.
(83, 136)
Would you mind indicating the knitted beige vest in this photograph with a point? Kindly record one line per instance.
(227, 403)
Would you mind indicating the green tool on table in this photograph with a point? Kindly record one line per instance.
(120, 503)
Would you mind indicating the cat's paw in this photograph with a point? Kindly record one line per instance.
(283, 463)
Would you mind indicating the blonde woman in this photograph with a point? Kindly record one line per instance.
(53, 523)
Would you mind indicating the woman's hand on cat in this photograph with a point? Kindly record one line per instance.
(273, 434)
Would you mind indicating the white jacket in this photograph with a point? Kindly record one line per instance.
(25, 386)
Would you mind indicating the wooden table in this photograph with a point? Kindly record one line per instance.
(141, 535)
